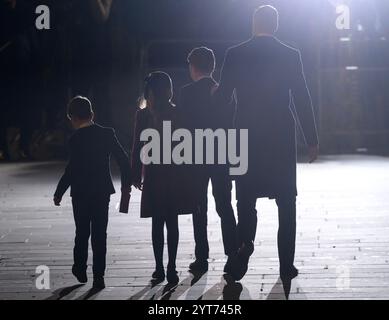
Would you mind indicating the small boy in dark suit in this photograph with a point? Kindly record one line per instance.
(89, 176)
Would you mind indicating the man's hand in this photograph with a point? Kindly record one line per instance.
(57, 201)
(313, 153)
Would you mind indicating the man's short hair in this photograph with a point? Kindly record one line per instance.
(265, 20)
(80, 107)
(203, 59)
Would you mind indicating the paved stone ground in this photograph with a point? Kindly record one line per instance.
(342, 242)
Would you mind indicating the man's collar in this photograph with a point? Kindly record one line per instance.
(204, 77)
(267, 35)
(86, 124)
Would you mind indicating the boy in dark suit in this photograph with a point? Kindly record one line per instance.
(198, 112)
(89, 176)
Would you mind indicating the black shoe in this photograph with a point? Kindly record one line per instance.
(286, 278)
(80, 275)
(241, 262)
(232, 290)
(158, 275)
(200, 266)
(98, 283)
(172, 277)
(289, 274)
(228, 267)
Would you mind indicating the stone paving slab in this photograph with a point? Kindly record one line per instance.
(342, 240)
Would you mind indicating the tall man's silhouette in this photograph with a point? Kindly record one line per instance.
(267, 76)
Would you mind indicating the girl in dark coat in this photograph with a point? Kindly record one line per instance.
(160, 185)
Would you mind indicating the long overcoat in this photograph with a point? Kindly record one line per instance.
(267, 76)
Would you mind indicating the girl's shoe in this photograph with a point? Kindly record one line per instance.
(172, 277)
(158, 275)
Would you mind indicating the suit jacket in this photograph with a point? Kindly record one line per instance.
(266, 76)
(195, 104)
(88, 170)
(198, 110)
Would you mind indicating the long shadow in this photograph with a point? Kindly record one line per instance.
(175, 291)
(227, 288)
(146, 290)
(197, 287)
(64, 292)
(167, 292)
(277, 291)
(91, 294)
(281, 291)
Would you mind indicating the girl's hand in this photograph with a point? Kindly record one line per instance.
(138, 185)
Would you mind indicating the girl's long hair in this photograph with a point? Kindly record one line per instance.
(160, 85)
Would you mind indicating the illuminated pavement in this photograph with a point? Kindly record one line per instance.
(342, 242)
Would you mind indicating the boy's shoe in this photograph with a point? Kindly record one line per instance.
(198, 265)
(228, 267)
(172, 277)
(98, 283)
(158, 275)
(80, 275)
(289, 274)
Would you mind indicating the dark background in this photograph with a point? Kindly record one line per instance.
(108, 60)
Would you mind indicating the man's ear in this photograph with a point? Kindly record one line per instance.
(92, 116)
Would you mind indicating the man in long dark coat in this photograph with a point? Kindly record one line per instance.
(266, 77)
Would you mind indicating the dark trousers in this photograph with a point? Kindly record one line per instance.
(158, 223)
(221, 190)
(91, 218)
(286, 238)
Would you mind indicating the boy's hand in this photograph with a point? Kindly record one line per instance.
(57, 201)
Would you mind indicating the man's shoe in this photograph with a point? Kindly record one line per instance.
(98, 283)
(80, 275)
(286, 278)
(228, 267)
(240, 265)
(200, 266)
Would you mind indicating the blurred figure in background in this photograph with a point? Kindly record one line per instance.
(19, 36)
(91, 54)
